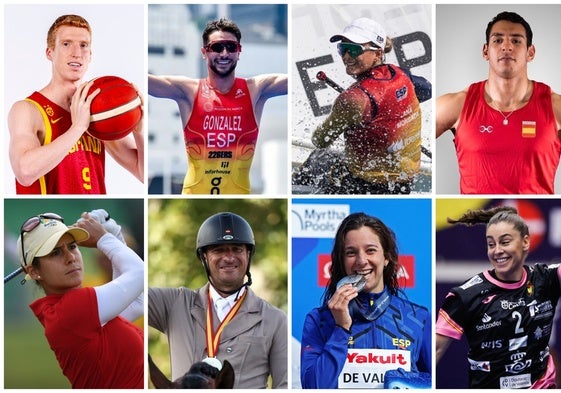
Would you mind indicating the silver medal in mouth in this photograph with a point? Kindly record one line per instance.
(356, 280)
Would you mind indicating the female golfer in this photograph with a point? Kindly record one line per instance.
(365, 328)
(88, 329)
(507, 312)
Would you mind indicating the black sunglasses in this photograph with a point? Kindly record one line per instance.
(32, 223)
(353, 49)
(219, 46)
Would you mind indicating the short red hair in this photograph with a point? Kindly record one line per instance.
(66, 20)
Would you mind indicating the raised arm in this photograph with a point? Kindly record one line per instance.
(448, 110)
(346, 112)
(271, 85)
(321, 361)
(123, 295)
(263, 87)
(178, 88)
(117, 295)
(169, 86)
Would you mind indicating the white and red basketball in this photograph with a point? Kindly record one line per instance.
(116, 110)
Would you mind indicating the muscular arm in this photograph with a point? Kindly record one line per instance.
(448, 110)
(178, 88)
(271, 85)
(163, 86)
(556, 102)
(129, 151)
(346, 112)
(263, 87)
(29, 158)
(442, 344)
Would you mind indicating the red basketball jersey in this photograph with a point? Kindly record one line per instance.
(520, 157)
(82, 171)
(220, 139)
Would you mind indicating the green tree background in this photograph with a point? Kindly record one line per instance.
(173, 225)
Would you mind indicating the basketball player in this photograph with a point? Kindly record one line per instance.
(506, 128)
(220, 114)
(50, 151)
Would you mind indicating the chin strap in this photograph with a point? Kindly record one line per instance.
(231, 292)
(246, 284)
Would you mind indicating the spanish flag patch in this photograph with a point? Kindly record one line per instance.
(528, 129)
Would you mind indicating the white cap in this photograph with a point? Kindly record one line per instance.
(361, 31)
(42, 239)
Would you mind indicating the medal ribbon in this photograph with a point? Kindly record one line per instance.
(376, 307)
(213, 338)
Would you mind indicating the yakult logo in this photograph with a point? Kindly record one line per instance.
(365, 368)
(398, 359)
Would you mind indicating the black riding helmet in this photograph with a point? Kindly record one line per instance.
(225, 228)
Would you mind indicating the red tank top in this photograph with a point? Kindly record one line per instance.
(220, 139)
(520, 157)
(387, 144)
(82, 171)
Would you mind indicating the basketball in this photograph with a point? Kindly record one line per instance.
(116, 110)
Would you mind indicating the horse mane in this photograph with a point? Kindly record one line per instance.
(201, 375)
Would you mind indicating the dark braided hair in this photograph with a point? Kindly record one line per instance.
(494, 216)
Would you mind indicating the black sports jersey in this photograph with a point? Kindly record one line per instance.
(507, 325)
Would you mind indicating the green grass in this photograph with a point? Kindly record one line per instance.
(29, 363)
